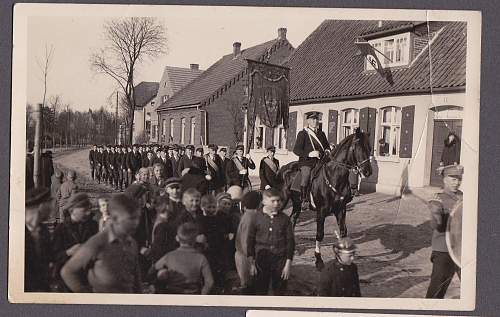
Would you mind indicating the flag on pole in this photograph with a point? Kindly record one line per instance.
(370, 54)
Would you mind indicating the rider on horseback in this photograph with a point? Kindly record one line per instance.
(310, 146)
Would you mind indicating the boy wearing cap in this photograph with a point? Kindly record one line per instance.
(184, 270)
(110, 258)
(270, 245)
(237, 168)
(310, 146)
(67, 189)
(340, 277)
(174, 160)
(37, 250)
(441, 205)
(75, 230)
(250, 202)
(268, 170)
(186, 161)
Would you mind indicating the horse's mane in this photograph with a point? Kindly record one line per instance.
(342, 144)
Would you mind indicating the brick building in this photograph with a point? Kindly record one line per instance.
(172, 80)
(145, 95)
(209, 109)
(408, 114)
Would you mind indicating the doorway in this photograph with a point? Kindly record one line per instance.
(441, 130)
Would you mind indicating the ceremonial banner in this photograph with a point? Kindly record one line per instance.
(268, 96)
(371, 56)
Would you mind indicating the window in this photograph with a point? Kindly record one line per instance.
(259, 137)
(155, 131)
(280, 138)
(183, 130)
(171, 134)
(389, 131)
(148, 127)
(350, 121)
(163, 127)
(395, 48)
(193, 126)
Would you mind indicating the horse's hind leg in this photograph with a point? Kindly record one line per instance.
(296, 208)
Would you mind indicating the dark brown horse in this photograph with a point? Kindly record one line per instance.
(330, 189)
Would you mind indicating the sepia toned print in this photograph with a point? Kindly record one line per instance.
(226, 163)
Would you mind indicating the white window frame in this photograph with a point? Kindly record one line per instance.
(193, 128)
(280, 130)
(352, 124)
(400, 48)
(394, 127)
(183, 130)
(163, 127)
(260, 130)
(171, 136)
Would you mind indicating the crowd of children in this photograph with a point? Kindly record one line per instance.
(161, 236)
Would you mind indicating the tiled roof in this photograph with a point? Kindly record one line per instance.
(219, 74)
(327, 65)
(180, 77)
(144, 92)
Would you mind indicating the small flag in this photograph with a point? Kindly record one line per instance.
(371, 56)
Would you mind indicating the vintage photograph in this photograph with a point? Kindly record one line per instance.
(234, 154)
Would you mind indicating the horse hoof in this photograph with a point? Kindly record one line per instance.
(319, 261)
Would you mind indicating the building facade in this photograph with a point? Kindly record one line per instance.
(408, 112)
(145, 96)
(210, 108)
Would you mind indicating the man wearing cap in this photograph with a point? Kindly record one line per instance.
(174, 160)
(223, 158)
(37, 251)
(187, 161)
(92, 160)
(214, 170)
(268, 170)
(237, 168)
(310, 147)
(441, 205)
(134, 163)
(165, 162)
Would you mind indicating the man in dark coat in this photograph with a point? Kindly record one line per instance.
(215, 169)
(46, 169)
(37, 250)
(237, 168)
(310, 146)
(92, 160)
(30, 162)
(451, 150)
(174, 160)
(187, 161)
(134, 163)
(268, 170)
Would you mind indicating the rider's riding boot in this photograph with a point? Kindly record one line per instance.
(319, 261)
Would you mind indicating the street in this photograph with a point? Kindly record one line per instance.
(392, 234)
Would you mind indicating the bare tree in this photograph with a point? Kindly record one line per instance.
(129, 42)
(54, 103)
(44, 66)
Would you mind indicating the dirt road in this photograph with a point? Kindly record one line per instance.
(392, 234)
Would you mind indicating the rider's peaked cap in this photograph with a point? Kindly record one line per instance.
(240, 147)
(345, 245)
(271, 148)
(312, 114)
(453, 170)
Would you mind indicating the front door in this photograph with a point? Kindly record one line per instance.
(441, 130)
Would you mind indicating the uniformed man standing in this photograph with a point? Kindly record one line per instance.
(310, 147)
(237, 169)
(443, 266)
(186, 161)
(92, 160)
(214, 169)
(174, 160)
(268, 170)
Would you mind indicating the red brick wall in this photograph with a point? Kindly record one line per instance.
(177, 115)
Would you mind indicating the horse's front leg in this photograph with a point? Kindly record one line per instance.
(320, 234)
(296, 208)
(341, 221)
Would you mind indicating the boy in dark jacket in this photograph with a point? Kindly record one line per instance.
(75, 230)
(216, 230)
(340, 277)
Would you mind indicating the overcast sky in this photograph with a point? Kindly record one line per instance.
(195, 35)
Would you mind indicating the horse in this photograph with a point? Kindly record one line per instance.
(330, 190)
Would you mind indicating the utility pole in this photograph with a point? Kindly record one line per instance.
(36, 149)
(116, 119)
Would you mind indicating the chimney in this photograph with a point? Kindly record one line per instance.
(194, 66)
(236, 48)
(282, 34)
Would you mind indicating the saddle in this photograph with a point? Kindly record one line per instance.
(295, 168)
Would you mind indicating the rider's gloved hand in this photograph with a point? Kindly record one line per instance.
(314, 154)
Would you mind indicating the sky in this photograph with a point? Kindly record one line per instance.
(198, 35)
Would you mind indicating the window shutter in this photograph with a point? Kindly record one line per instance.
(292, 130)
(332, 126)
(367, 123)
(406, 143)
(269, 136)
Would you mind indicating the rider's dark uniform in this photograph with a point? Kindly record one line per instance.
(309, 140)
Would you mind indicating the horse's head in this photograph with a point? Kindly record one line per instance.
(360, 152)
